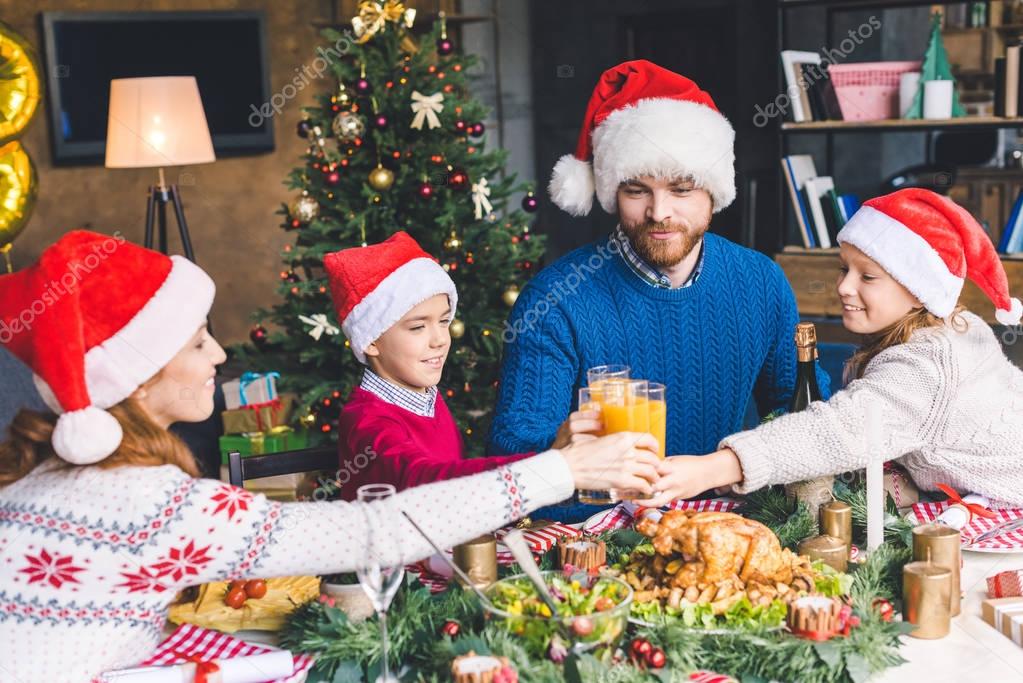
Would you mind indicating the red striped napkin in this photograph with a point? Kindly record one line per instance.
(1012, 540)
(189, 640)
(709, 677)
(542, 539)
(619, 517)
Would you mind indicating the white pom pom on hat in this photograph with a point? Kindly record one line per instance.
(122, 314)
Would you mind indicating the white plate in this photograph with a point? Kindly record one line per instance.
(996, 551)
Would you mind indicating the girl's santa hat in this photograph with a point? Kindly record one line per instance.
(95, 319)
(645, 120)
(930, 245)
(374, 286)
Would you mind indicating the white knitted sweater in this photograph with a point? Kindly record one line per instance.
(90, 559)
(951, 409)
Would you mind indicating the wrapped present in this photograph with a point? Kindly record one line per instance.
(252, 388)
(1006, 615)
(259, 417)
(275, 440)
(1005, 584)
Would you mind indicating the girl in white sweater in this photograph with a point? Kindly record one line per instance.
(102, 517)
(949, 402)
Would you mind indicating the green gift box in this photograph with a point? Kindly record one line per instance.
(276, 440)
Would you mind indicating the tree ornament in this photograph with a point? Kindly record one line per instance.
(530, 203)
(320, 325)
(425, 190)
(348, 126)
(451, 628)
(461, 126)
(308, 420)
(481, 199)
(304, 208)
(380, 122)
(381, 178)
(457, 329)
(258, 335)
(304, 128)
(444, 45)
(342, 98)
(363, 86)
(510, 296)
(426, 108)
(477, 129)
(332, 178)
(292, 277)
(458, 179)
(453, 242)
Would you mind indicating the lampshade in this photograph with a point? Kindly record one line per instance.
(157, 121)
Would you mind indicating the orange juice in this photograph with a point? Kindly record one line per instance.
(659, 423)
(634, 416)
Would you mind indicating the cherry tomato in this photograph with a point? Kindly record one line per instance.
(235, 598)
(255, 588)
(237, 583)
(582, 626)
(603, 604)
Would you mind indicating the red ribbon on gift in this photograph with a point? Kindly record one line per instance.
(203, 668)
(973, 508)
(274, 406)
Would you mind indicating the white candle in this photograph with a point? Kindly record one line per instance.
(875, 477)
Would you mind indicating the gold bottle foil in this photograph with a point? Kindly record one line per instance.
(926, 592)
(478, 559)
(836, 520)
(944, 547)
(829, 549)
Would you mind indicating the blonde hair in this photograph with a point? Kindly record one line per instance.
(144, 443)
(898, 332)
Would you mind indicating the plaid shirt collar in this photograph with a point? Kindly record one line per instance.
(421, 404)
(644, 270)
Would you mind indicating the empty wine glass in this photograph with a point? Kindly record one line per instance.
(380, 583)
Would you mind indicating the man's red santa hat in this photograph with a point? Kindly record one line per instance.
(374, 286)
(643, 120)
(930, 245)
(95, 319)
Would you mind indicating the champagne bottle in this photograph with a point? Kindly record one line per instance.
(815, 492)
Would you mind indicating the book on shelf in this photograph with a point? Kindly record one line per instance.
(1008, 88)
(821, 92)
(816, 190)
(1010, 225)
(791, 61)
(797, 169)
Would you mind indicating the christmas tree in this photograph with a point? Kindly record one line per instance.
(935, 67)
(398, 144)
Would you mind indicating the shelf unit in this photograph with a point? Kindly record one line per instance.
(812, 272)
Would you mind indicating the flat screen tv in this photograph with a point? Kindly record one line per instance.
(225, 51)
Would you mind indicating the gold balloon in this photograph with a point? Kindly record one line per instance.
(510, 296)
(17, 190)
(457, 328)
(381, 178)
(20, 88)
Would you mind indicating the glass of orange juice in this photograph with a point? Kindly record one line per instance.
(601, 373)
(589, 400)
(657, 405)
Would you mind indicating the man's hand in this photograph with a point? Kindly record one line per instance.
(581, 426)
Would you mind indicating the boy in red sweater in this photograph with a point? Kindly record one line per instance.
(395, 304)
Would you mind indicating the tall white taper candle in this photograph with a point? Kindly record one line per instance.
(875, 476)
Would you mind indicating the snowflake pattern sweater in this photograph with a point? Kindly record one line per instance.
(713, 344)
(90, 559)
(951, 412)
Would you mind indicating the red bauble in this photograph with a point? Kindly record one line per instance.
(363, 87)
(461, 126)
(425, 191)
(258, 335)
(655, 659)
(333, 178)
(530, 203)
(295, 224)
(451, 629)
(445, 47)
(477, 129)
(380, 121)
(458, 179)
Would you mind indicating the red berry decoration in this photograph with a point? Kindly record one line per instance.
(477, 129)
(884, 608)
(451, 628)
(458, 179)
(425, 191)
(363, 87)
(445, 47)
(655, 659)
(530, 203)
(640, 648)
(258, 335)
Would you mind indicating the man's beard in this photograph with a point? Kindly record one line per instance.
(664, 253)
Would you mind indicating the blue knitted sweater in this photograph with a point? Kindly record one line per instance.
(714, 344)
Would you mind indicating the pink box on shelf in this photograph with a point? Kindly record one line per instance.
(869, 91)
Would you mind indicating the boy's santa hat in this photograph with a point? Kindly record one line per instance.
(930, 245)
(95, 319)
(645, 120)
(374, 286)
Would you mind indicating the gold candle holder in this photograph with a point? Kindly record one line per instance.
(926, 592)
(829, 549)
(836, 520)
(478, 559)
(944, 547)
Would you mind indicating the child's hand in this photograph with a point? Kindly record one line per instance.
(582, 425)
(686, 476)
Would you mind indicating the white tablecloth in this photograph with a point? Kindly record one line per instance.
(973, 652)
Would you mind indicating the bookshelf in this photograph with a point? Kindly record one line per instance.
(813, 272)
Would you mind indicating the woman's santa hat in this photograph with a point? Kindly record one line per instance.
(930, 245)
(643, 120)
(374, 286)
(95, 319)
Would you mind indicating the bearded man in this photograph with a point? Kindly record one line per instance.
(711, 320)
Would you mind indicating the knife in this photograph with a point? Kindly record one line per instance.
(1002, 528)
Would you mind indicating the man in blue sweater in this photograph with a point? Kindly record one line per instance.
(711, 320)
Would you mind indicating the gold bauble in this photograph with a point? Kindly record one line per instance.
(457, 329)
(347, 126)
(20, 88)
(17, 188)
(510, 296)
(308, 420)
(453, 242)
(342, 98)
(381, 178)
(305, 208)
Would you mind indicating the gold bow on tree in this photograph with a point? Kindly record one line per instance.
(374, 15)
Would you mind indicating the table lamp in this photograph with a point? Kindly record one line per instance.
(152, 123)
